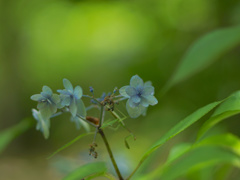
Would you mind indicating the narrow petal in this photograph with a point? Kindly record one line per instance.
(131, 91)
(85, 125)
(81, 110)
(38, 126)
(151, 100)
(68, 85)
(148, 90)
(35, 114)
(47, 90)
(135, 99)
(148, 83)
(46, 111)
(73, 107)
(122, 91)
(55, 98)
(45, 128)
(77, 121)
(45, 95)
(144, 102)
(78, 92)
(37, 97)
(136, 81)
(134, 112)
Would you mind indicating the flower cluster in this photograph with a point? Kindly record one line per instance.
(139, 96)
(48, 103)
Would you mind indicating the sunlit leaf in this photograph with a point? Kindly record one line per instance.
(224, 148)
(204, 52)
(225, 140)
(197, 158)
(177, 151)
(183, 163)
(10, 134)
(97, 168)
(179, 127)
(228, 108)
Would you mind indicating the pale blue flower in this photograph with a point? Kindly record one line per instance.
(140, 95)
(80, 123)
(71, 97)
(47, 102)
(42, 124)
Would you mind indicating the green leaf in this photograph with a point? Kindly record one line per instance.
(227, 142)
(182, 125)
(177, 151)
(70, 143)
(204, 52)
(228, 108)
(224, 148)
(198, 158)
(110, 123)
(87, 170)
(11, 133)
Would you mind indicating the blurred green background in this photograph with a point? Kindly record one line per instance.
(102, 44)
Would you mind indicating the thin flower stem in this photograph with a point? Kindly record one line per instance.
(86, 121)
(122, 123)
(110, 154)
(101, 116)
(94, 139)
(91, 97)
(56, 114)
(100, 131)
(92, 106)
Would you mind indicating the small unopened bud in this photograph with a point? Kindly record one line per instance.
(91, 89)
(115, 90)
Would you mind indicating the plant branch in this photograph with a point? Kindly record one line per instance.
(110, 153)
(91, 97)
(100, 131)
(86, 121)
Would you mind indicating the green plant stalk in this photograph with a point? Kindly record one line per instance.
(110, 154)
(100, 131)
